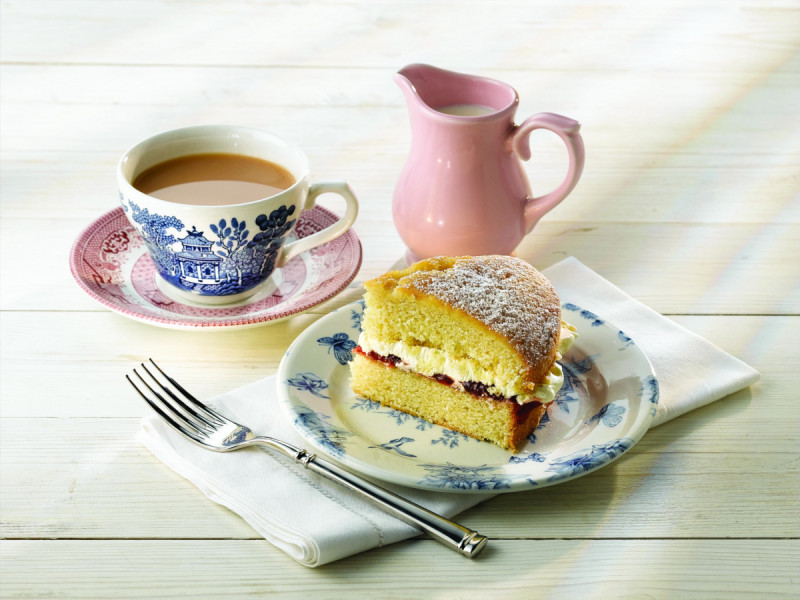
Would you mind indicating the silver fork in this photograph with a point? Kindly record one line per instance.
(211, 430)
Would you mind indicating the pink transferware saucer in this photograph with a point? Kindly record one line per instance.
(110, 262)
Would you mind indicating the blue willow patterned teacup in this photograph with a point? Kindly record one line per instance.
(223, 253)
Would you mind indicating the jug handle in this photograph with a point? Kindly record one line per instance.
(569, 131)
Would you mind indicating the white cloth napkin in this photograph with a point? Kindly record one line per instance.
(317, 522)
(691, 371)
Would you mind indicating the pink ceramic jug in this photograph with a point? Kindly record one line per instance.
(463, 189)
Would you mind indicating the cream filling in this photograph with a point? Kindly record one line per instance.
(432, 361)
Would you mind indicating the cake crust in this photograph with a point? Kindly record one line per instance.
(503, 295)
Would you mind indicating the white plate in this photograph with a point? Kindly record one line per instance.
(607, 403)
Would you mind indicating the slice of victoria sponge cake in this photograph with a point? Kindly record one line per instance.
(468, 343)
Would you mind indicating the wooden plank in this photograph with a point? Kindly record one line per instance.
(333, 86)
(678, 268)
(706, 160)
(82, 359)
(511, 569)
(657, 185)
(90, 478)
(719, 34)
(73, 364)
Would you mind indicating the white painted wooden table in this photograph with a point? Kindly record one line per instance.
(690, 202)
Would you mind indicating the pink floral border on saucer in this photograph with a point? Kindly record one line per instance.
(110, 262)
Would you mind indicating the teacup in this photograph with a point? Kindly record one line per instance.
(222, 245)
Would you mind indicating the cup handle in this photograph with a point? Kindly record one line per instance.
(331, 232)
(569, 131)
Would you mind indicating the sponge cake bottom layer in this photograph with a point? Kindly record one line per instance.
(503, 422)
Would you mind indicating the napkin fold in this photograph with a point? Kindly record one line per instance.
(316, 521)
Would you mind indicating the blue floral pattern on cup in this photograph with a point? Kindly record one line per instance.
(219, 259)
(607, 402)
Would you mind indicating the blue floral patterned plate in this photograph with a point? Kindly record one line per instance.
(606, 405)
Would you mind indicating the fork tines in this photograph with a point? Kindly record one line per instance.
(186, 413)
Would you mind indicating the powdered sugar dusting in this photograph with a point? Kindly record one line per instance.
(505, 293)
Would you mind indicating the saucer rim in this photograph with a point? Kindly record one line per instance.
(245, 321)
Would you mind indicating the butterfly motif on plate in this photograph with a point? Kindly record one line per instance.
(342, 346)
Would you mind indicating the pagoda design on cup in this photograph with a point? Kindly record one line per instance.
(197, 262)
(226, 261)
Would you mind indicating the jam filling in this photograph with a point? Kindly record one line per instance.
(476, 388)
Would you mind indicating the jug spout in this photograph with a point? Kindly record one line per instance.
(435, 88)
(406, 85)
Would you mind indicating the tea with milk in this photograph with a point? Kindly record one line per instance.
(214, 179)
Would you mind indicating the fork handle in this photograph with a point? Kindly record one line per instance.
(466, 542)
